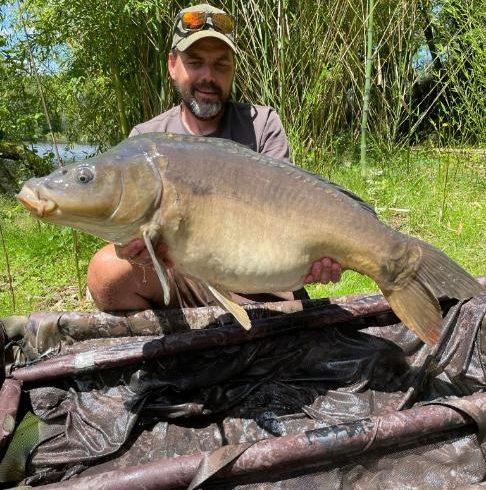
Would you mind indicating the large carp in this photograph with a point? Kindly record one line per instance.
(241, 221)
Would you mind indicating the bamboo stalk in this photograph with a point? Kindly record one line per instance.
(120, 100)
(444, 191)
(367, 86)
(76, 263)
(39, 86)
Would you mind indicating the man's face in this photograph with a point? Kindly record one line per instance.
(203, 75)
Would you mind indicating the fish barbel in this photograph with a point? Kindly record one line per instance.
(240, 221)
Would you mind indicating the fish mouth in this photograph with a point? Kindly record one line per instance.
(37, 205)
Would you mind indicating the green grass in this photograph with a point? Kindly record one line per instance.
(437, 198)
(41, 261)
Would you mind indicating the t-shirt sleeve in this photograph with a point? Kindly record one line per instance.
(167, 122)
(274, 141)
(134, 132)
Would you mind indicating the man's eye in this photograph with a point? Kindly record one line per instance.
(222, 67)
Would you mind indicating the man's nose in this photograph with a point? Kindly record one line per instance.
(207, 72)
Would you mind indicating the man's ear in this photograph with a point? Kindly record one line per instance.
(171, 61)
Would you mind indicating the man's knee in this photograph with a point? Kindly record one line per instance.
(113, 282)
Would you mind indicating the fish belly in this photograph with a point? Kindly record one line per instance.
(251, 249)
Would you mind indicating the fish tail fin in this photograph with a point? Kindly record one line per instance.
(416, 304)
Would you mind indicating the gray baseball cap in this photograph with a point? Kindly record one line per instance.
(183, 38)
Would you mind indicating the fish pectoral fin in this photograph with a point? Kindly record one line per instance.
(161, 274)
(235, 309)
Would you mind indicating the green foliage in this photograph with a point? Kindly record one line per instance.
(114, 69)
(17, 164)
(461, 32)
(22, 117)
(103, 67)
(20, 114)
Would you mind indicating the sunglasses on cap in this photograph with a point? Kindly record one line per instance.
(195, 21)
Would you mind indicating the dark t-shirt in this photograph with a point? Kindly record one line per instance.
(255, 126)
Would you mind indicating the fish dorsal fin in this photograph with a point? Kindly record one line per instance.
(269, 160)
(364, 205)
(235, 309)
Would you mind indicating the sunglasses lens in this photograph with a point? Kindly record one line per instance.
(193, 20)
(223, 22)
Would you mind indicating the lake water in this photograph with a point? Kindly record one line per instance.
(69, 153)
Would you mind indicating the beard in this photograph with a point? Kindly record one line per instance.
(203, 108)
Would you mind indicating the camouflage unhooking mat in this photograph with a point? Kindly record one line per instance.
(319, 394)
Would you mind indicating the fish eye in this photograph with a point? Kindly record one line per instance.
(85, 175)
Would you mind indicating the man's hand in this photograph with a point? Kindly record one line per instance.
(324, 271)
(136, 252)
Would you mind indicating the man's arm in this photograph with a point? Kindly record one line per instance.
(273, 140)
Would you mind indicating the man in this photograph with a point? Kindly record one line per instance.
(202, 67)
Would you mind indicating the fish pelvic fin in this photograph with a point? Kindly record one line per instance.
(235, 309)
(414, 300)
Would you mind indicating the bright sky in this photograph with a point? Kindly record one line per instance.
(5, 19)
